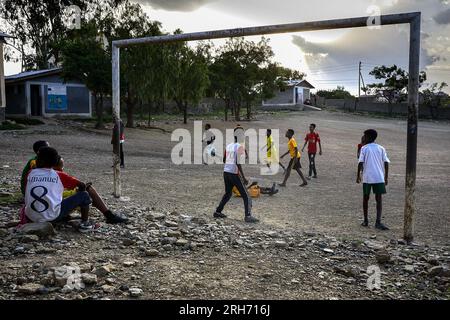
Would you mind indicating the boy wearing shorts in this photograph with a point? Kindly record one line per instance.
(374, 166)
(295, 159)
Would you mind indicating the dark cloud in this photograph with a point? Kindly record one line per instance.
(443, 17)
(176, 5)
(388, 45)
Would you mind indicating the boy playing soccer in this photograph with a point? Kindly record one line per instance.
(295, 159)
(44, 191)
(234, 176)
(31, 164)
(374, 164)
(209, 138)
(312, 138)
(271, 151)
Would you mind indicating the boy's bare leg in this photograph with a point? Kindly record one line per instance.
(287, 174)
(366, 210)
(84, 213)
(299, 171)
(379, 224)
(97, 201)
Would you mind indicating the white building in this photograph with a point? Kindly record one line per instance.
(293, 95)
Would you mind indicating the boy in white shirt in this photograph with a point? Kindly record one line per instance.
(44, 193)
(233, 176)
(374, 165)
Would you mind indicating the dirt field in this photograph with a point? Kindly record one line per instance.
(330, 205)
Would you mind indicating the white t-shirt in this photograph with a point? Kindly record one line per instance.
(373, 156)
(43, 195)
(234, 154)
(209, 137)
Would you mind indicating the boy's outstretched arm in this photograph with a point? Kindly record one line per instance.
(320, 148)
(386, 172)
(358, 175)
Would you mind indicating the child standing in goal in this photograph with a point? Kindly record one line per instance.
(374, 165)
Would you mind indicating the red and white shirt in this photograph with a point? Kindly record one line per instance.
(312, 139)
(44, 193)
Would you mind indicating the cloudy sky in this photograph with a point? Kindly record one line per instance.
(329, 58)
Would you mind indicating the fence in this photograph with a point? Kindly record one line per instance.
(366, 105)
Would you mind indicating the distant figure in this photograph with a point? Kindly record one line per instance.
(121, 141)
(209, 138)
(312, 138)
(31, 164)
(295, 159)
(271, 151)
(374, 164)
(360, 145)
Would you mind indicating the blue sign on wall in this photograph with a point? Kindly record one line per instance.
(57, 97)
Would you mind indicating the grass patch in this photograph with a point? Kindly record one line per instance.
(11, 126)
(27, 121)
(7, 198)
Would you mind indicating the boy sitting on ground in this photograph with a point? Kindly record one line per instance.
(44, 190)
(97, 201)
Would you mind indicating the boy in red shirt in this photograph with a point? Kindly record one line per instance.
(312, 138)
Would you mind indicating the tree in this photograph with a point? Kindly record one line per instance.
(40, 27)
(188, 75)
(286, 74)
(85, 58)
(433, 97)
(243, 73)
(338, 93)
(137, 63)
(394, 87)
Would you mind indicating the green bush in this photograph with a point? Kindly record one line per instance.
(7, 125)
(27, 121)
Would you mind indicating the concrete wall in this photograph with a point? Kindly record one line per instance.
(16, 99)
(365, 105)
(277, 107)
(77, 101)
(282, 97)
(78, 97)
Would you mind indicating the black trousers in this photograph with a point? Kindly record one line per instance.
(312, 164)
(122, 157)
(234, 180)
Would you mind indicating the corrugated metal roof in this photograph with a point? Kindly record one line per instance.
(299, 83)
(32, 74)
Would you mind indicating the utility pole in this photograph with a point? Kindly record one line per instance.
(359, 80)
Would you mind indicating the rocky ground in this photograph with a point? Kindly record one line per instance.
(170, 250)
(162, 255)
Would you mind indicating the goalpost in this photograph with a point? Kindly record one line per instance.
(412, 18)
